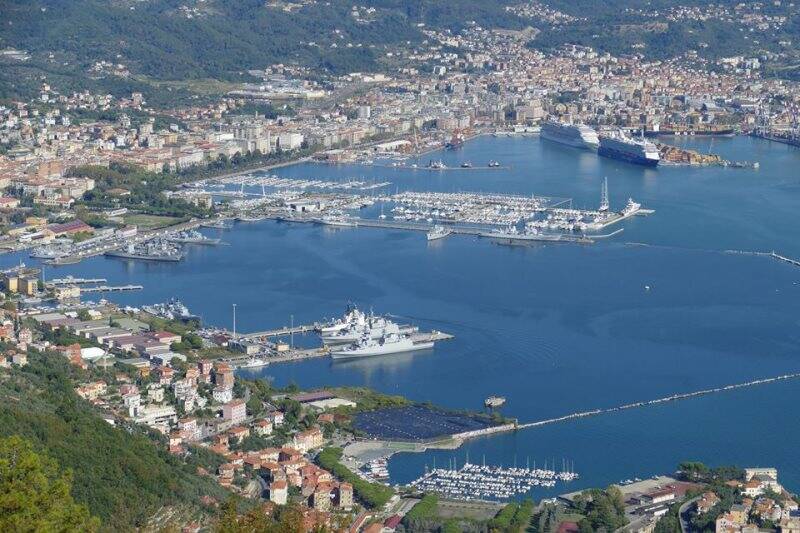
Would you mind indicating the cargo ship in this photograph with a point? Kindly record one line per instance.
(617, 145)
(575, 135)
(706, 130)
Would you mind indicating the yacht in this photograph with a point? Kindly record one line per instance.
(494, 401)
(254, 362)
(338, 221)
(439, 232)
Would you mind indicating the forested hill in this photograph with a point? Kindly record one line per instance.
(177, 39)
(221, 39)
(119, 473)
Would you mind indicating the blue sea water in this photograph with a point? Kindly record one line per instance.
(554, 328)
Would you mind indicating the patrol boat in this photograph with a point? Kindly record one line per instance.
(388, 344)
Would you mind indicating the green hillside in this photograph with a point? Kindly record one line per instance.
(220, 40)
(118, 473)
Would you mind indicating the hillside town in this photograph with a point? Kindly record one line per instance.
(126, 176)
(480, 80)
(266, 443)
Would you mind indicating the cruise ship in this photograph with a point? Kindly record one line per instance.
(388, 344)
(576, 135)
(617, 145)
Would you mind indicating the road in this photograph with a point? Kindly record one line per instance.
(683, 514)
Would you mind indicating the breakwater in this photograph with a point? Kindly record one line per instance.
(674, 397)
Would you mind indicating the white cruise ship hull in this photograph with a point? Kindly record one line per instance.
(575, 143)
(570, 135)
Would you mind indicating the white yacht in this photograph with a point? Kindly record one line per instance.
(439, 232)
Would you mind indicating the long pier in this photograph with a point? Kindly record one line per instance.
(107, 288)
(785, 259)
(279, 332)
(674, 397)
(116, 244)
(436, 169)
(597, 412)
(476, 231)
(76, 281)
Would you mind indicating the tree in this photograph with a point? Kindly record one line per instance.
(287, 519)
(254, 406)
(35, 495)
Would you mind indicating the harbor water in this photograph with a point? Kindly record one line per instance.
(659, 309)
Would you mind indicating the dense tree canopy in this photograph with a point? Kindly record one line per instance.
(35, 494)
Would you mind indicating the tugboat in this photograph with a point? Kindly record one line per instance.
(455, 142)
(494, 401)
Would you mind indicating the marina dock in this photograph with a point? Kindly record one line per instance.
(75, 281)
(270, 351)
(455, 229)
(436, 169)
(278, 332)
(107, 288)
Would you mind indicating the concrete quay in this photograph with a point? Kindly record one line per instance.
(116, 244)
(456, 230)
